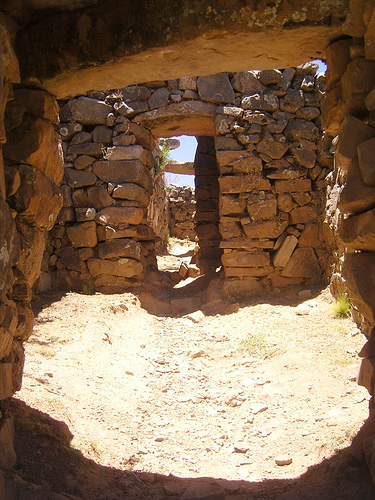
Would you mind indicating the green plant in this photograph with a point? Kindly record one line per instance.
(256, 345)
(342, 307)
(164, 158)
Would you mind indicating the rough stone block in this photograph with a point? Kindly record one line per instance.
(275, 149)
(359, 78)
(140, 232)
(303, 215)
(266, 229)
(124, 171)
(86, 148)
(284, 253)
(247, 272)
(82, 235)
(38, 103)
(79, 178)
(366, 375)
(301, 129)
(123, 247)
(352, 133)
(240, 258)
(159, 98)
(243, 183)
(98, 197)
(366, 160)
(304, 157)
(130, 191)
(293, 101)
(302, 264)
(270, 76)
(135, 152)
(85, 214)
(127, 268)
(261, 101)
(239, 161)
(38, 201)
(215, 88)
(102, 135)
(113, 216)
(9, 241)
(358, 231)
(356, 196)
(359, 273)
(124, 140)
(231, 205)
(36, 143)
(6, 384)
(293, 186)
(250, 286)
(338, 58)
(247, 82)
(309, 236)
(8, 456)
(83, 162)
(261, 210)
(86, 111)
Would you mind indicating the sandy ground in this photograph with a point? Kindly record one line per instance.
(119, 403)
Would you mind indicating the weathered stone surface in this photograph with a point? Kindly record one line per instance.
(83, 161)
(301, 129)
(6, 384)
(309, 236)
(239, 161)
(261, 210)
(86, 111)
(102, 135)
(270, 76)
(35, 142)
(85, 214)
(122, 247)
(366, 160)
(38, 103)
(302, 264)
(247, 82)
(8, 456)
(354, 24)
(180, 307)
(369, 35)
(294, 185)
(82, 235)
(140, 232)
(124, 140)
(243, 183)
(230, 205)
(275, 149)
(284, 253)
(79, 178)
(159, 98)
(86, 148)
(186, 168)
(304, 157)
(358, 231)
(135, 152)
(113, 216)
(261, 101)
(9, 243)
(250, 286)
(191, 117)
(38, 201)
(359, 78)
(265, 229)
(308, 113)
(128, 268)
(215, 88)
(293, 101)
(303, 215)
(31, 254)
(98, 197)
(359, 274)
(370, 100)
(356, 196)
(338, 58)
(285, 202)
(352, 133)
(131, 191)
(238, 258)
(123, 172)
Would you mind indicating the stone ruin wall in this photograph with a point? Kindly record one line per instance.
(182, 205)
(260, 189)
(30, 200)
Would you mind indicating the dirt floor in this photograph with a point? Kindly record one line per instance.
(258, 403)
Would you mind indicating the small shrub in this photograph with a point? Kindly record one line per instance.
(165, 157)
(342, 308)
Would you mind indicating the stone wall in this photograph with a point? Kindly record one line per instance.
(349, 112)
(259, 175)
(182, 205)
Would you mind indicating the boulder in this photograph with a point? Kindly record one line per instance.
(86, 111)
(127, 268)
(366, 160)
(38, 201)
(124, 171)
(82, 235)
(215, 88)
(114, 216)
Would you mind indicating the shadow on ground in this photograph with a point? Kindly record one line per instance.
(48, 468)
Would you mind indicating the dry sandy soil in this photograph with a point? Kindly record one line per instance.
(118, 403)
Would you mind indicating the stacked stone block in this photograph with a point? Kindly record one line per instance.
(102, 240)
(182, 205)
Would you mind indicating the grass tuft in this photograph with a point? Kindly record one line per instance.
(342, 307)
